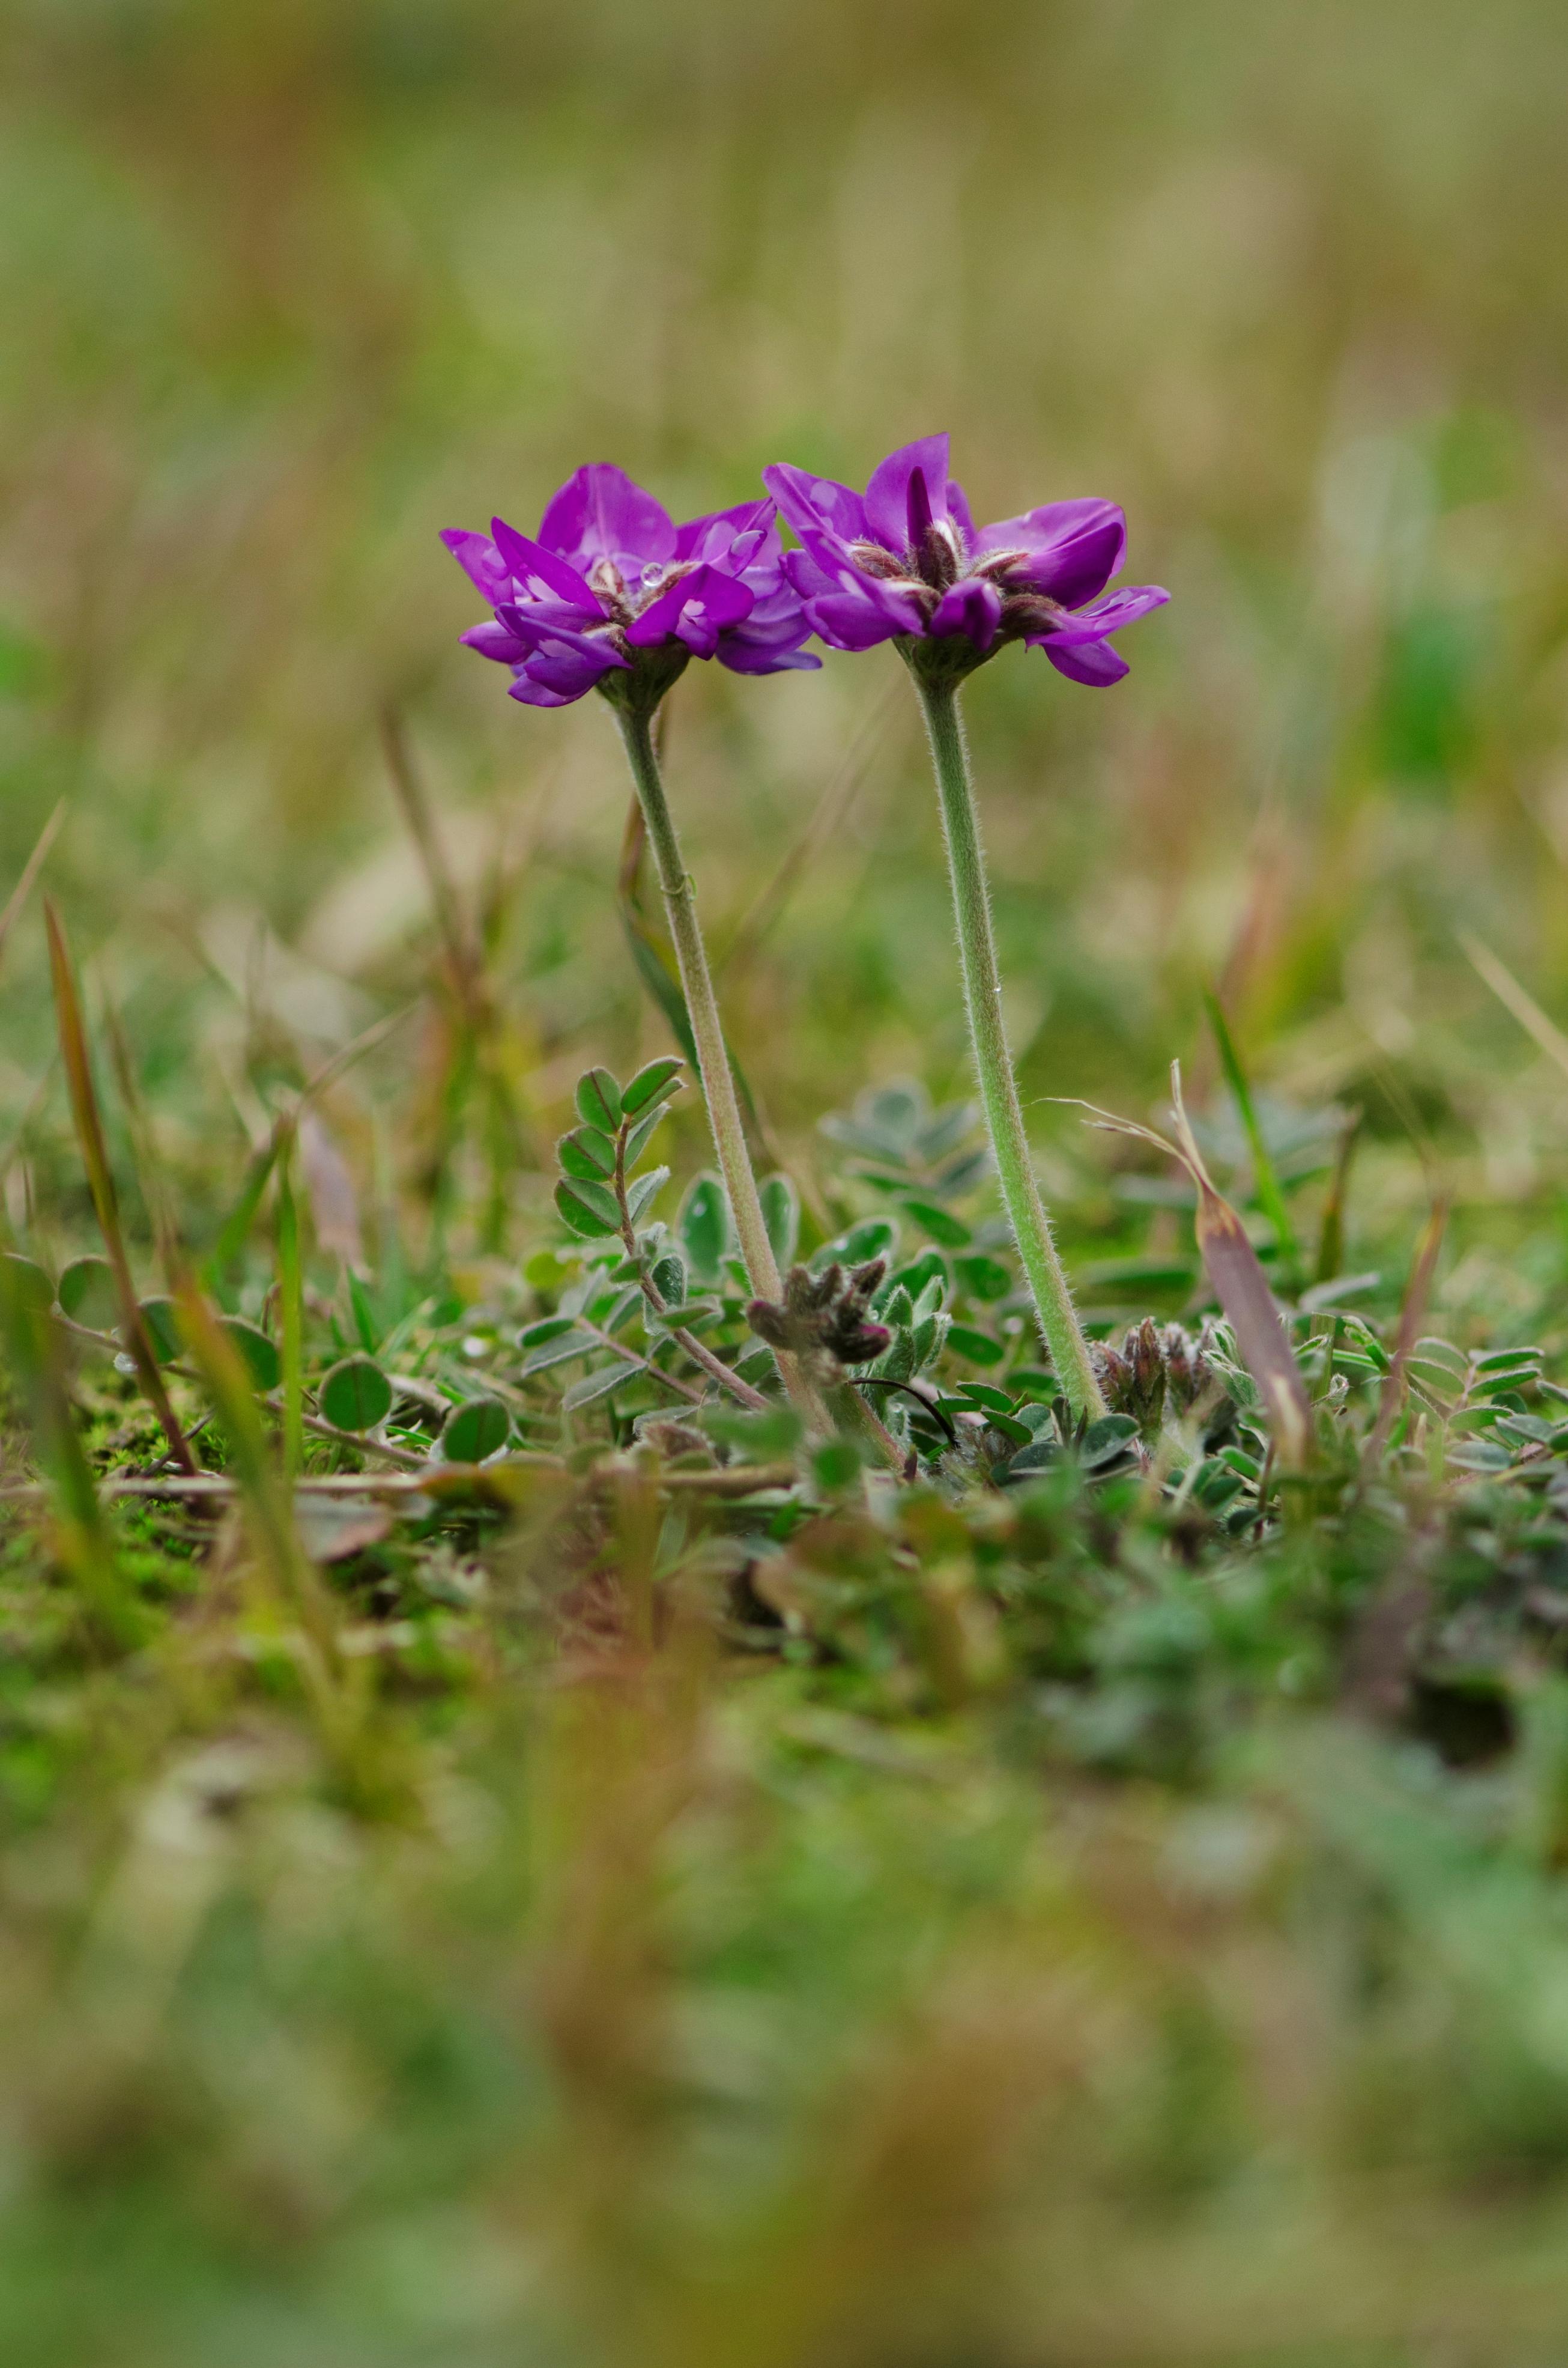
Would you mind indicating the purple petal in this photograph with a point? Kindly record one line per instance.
(480, 560)
(960, 512)
(971, 607)
(743, 656)
(1075, 548)
(494, 640)
(818, 505)
(560, 670)
(695, 610)
(1094, 663)
(600, 514)
(738, 534)
(1109, 616)
(847, 622)
(542, 575)
(887, 495)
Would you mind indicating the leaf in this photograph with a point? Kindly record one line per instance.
(918, 1275)
(642, 1194)
(588, 1209)
(984, 1278)
(87, 1292)
(31, 1288)
(641, 1135)
(660, 1079)
(703, 1226)
(1104, 1441)
(586, 1152)
(978, 1347)
(598, 1100)
(549, 1328)
(355, 1396)
(782, 1215)
(259, 1353)
(599, 1383)
(475, 1430)
(668, 1278)
(557, 1352)
(89, 1131)
(163, 1330)
(940, 1223)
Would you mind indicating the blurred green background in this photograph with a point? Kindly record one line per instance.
(288, 286)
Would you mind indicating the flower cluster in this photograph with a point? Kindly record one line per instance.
(612, 594)
(906, 561)
(611, 586)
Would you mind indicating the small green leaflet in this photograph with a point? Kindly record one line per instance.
(355, 1396)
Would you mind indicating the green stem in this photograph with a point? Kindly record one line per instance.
(712, 1060)
(998, 1090)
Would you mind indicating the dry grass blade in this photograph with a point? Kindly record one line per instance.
(462, 954)
(81, 1544)
(1411, 1316)
(1240, 1284)
(16, 901)
(100, 1182)
(1515, 998)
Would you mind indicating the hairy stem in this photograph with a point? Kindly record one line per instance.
(993, 1067)
(712, 1060)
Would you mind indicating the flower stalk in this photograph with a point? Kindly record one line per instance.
(993, 1067)
(635, 717)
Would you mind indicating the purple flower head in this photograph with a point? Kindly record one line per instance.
(613, 595)
(906, 561)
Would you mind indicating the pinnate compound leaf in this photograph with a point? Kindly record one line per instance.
(475, 1430)
(654, 1083)
(598, 1100)
(589, 1209)
(355, 1396)
(586, 1152)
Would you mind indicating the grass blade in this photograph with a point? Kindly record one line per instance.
(16, 903)
(1266, 1182)
(292, 1312)
(1515, 998)
(101, 1183)
(81, 1541)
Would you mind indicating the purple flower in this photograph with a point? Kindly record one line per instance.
(612, 594)
(906, 561)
